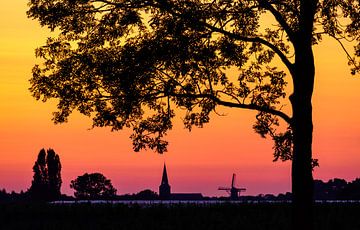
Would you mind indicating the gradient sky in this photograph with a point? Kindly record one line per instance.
(199, 161)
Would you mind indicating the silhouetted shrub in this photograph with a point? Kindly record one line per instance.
(146, 194)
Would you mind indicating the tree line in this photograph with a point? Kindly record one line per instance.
(46, 186)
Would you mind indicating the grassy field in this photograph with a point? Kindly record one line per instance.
(184, 217)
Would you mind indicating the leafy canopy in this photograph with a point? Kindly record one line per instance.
(93, 186)
(131, 63)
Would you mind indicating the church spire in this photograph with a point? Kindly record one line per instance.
(164, 179)
(164, 188)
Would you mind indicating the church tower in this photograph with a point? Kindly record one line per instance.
(164, 188)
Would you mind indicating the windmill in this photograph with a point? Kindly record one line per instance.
(233, 191)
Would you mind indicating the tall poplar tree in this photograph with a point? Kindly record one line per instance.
(131, 63)
(47, 181)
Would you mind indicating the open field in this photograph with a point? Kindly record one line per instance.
(175, 217)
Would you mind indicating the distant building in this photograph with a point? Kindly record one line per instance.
(233, 191)
(165, 191)
(164, 188)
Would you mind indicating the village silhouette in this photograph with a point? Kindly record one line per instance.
(46, 186)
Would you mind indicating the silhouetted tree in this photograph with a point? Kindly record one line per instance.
(93, 186)
(328, 190)
(3, 195)
(351, 191)
(337, 189)
(54, 176)
(146, 194)
(38, 189)
(130, 63)
(47, 181)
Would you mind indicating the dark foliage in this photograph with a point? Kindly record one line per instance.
(13, 197)
(351, 191)
(328, 190)
(337, 189)
(24, 198)
(146, 194)
(114, 60)
(93, 186)
(47, 181)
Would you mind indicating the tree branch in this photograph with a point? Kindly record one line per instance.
(281, 55)
(124, 5)
(279, 18)
(346, 52)
(237, 105)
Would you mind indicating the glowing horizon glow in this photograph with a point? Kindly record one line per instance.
(198, 161)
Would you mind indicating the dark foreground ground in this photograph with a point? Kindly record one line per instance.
(184, 217)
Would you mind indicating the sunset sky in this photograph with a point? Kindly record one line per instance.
(199, 161)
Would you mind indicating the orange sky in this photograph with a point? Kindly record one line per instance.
(199, 161)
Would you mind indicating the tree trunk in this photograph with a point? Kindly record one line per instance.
(302, 126)
(302, 180)
(303, 79)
